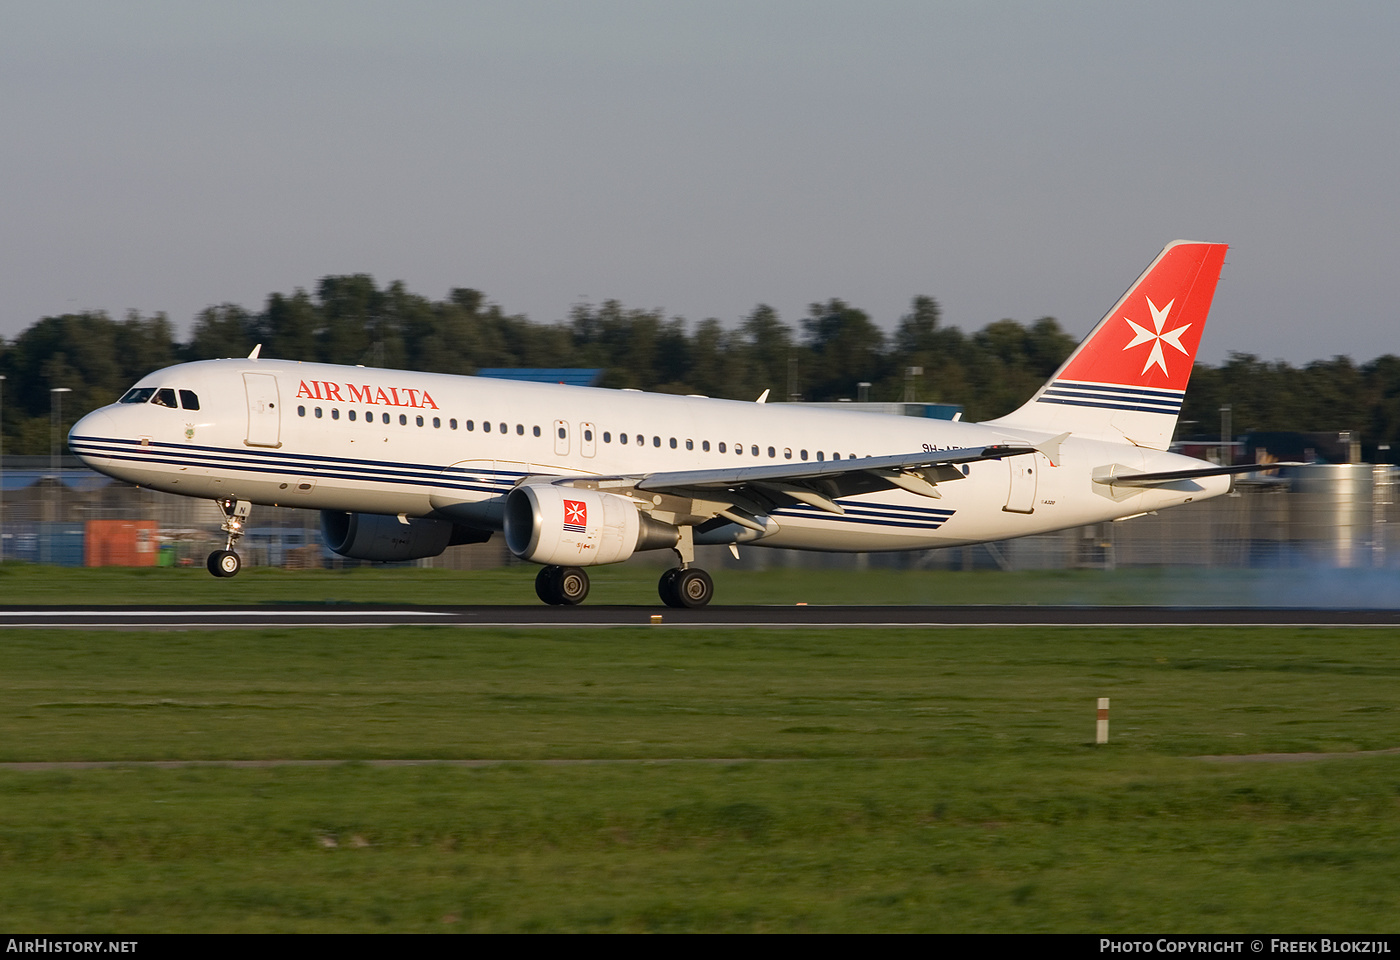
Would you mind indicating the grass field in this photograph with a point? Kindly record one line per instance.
(746, 780)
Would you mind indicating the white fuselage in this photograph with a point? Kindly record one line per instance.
(315, 436)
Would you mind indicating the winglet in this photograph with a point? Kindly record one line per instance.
(256, 350)
(762, 397)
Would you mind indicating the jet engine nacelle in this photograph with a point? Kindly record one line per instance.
(374, 536)
(576, 527)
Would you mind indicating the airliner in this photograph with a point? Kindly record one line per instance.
(403, 465)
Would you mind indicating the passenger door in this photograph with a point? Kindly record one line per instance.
(264, 413)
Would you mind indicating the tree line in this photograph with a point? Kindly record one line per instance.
(831, 352)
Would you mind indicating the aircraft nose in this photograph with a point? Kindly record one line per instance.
(96, 426)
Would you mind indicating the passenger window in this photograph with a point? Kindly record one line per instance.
(656, 441)
(787, 453)
(705, 445)
(536, 431)
(452, 424)
(318, 413)
(820, 455)
(804, 454)
(722, 448)
(351, 415)
(335, 413)
(471, 425)
(138, 395)
(386, 418)
(588, 435)
(420, 421)
(403, 419)
(690, 444)
(189, 400)
(772, 453)
(520, 429)
(673, 443)
(502, 426)
(437, 423)
(486, 426)
(607, 437)
(165, 397)
(301, 411)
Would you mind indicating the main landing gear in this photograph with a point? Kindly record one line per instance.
(685, 587)
(561, 586)
(226, 563)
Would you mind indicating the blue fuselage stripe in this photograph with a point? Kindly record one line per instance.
(491, 482)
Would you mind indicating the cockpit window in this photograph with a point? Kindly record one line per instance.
(138, 395)
(189, 400)
(165, 397)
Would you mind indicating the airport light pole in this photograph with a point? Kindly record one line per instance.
(2, 468)
(56, 425)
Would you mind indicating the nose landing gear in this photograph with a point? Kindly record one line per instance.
(226, 563)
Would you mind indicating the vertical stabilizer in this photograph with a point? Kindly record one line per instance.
(1126, 381)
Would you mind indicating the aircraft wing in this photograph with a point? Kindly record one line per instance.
(840, 472)
(741, 493)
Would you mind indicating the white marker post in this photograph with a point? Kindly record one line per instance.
(1102, 736)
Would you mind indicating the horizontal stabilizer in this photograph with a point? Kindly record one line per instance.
(1171, 476)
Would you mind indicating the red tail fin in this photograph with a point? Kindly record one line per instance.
(1127, 379)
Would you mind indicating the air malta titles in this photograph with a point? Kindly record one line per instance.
(394, 397)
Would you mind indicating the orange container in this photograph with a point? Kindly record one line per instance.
(120, 543)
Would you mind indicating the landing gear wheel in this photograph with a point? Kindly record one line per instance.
(573, 585)
(558, 585)
(694, 587)
(666, 587)
(224, 563)
(547, 585)
(686, 588)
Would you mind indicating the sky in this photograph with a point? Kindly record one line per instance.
(1010, 159)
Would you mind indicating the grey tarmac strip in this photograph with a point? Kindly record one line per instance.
(814, 616)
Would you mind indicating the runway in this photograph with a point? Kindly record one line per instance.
(809, 617)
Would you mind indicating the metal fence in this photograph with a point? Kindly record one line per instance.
(1337, 516)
